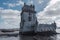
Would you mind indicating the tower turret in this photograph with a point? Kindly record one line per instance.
(54, 24)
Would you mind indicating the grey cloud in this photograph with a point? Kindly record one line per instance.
(52, 12)
(11, 18)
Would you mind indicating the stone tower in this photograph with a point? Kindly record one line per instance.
(28, 19)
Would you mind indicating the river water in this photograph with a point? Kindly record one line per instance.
(37, 37)
(21, 37)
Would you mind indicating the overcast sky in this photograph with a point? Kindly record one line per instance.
(48, 11)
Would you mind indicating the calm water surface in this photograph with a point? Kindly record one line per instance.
(54, 37)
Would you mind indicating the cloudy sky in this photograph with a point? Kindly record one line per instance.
(48, 11)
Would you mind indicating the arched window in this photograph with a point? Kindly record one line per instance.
(29, 18)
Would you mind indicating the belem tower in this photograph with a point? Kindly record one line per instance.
(29, 23)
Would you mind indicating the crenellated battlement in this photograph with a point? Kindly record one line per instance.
(28, 8)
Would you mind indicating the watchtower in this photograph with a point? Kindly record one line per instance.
(28, 19)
